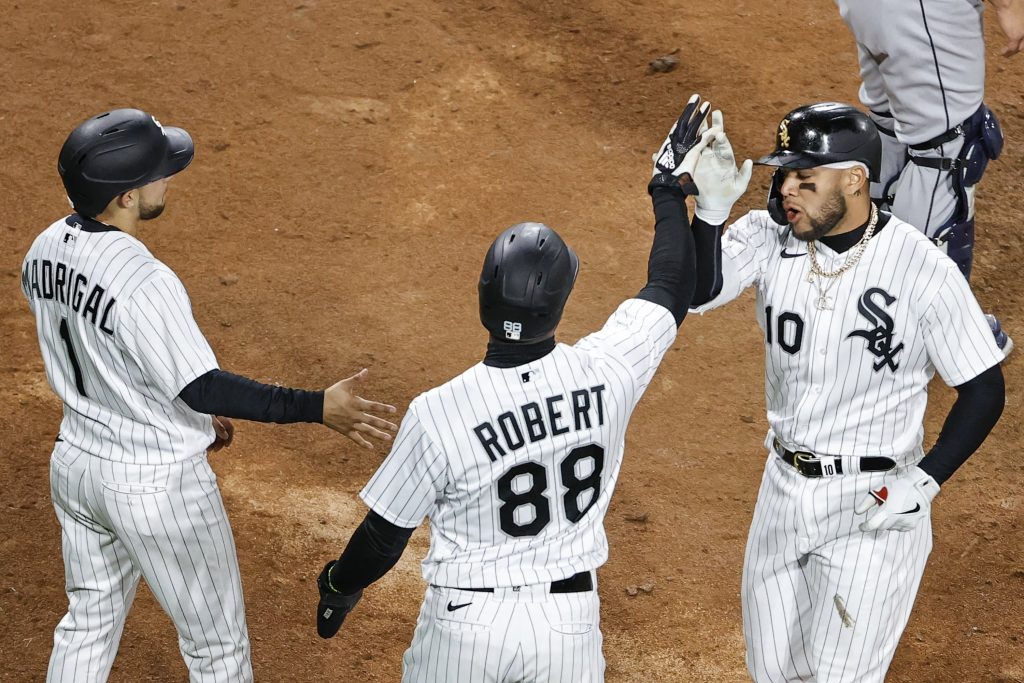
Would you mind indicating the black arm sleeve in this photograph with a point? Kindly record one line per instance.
(222, 393)
(670, 267)
(707, 241)
(371, 552)
(977, 408)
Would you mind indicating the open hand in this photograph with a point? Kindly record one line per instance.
(719, 181)
(349, 414)
(678, 155)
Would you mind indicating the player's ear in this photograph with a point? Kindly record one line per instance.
(856, 180)
(127, 200)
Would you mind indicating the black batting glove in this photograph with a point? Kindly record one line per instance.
(334, 606)
(675, 160)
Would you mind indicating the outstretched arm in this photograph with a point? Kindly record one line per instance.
(671, 266)
(225, 394)
(721, 184)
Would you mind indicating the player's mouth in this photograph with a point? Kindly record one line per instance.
(793, 214)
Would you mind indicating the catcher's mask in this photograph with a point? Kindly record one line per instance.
(118, 151)
(816, 135)
(526, 279)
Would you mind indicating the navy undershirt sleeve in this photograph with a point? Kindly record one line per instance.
(707, 241)
(977, 408)
(222, 393)
(670, 267)
(373, 550)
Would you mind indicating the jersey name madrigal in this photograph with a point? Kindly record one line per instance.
(516, 466)
(852, 378)
(119, 343)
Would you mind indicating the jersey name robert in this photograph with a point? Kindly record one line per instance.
(532, 423)
(43, 279)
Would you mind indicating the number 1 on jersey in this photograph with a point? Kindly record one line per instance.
(534, 497)
(65, 334)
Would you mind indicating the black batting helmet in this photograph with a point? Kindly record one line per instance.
(820, 134)
(527, 277)
(118, 151)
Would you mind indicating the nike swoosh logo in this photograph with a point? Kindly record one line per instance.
(786, 254)
(910, 512)
(452, 608)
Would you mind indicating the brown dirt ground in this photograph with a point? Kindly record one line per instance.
(354, 160)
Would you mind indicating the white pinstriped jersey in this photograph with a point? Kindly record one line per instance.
(119, 343)
(516, 466)
(853, 379)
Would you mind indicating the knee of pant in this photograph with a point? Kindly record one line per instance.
(221, 651)
(764, 669)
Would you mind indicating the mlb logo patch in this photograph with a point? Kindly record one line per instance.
(513, 330)
(69, 240)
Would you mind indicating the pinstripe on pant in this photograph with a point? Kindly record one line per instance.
(823, 601)
(166, 523)
(522, 636)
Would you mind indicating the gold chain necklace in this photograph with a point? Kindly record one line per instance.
(818, 275)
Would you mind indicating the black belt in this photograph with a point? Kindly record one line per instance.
(578, 583)
(938, 163)
(810, 465)
(940, 139)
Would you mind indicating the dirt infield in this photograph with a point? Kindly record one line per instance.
(353, 162)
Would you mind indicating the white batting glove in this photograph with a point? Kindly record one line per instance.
(718, 180)
(901, 505)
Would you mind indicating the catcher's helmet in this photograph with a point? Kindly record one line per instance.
(819, 134)
(118, 151)
(527, 277)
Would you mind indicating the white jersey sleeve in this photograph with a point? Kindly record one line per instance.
(746, 247)
(157, 329)
(637, 335)
(958, 338)
(411, 479)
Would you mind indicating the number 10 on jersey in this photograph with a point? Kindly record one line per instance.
(533, 483)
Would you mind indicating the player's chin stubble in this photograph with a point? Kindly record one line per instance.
(151, 211)
(832, 213)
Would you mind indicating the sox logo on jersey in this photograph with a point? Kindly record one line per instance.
(130, 482)
(821, 600)
(516, 468)
(880, 337)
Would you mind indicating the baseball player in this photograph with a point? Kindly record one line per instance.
(922, 65)
(859, 310)
(515, 460)
(143, 400)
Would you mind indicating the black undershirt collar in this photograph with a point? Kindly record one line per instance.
(847, 240)
(502, 354)
(77, 220)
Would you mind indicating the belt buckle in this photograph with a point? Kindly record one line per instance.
(811, 465)
(803, 460)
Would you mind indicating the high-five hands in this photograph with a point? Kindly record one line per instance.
(674, 162)
(720, 182)
(349, 414)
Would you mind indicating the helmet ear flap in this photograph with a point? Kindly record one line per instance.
(775, 209)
